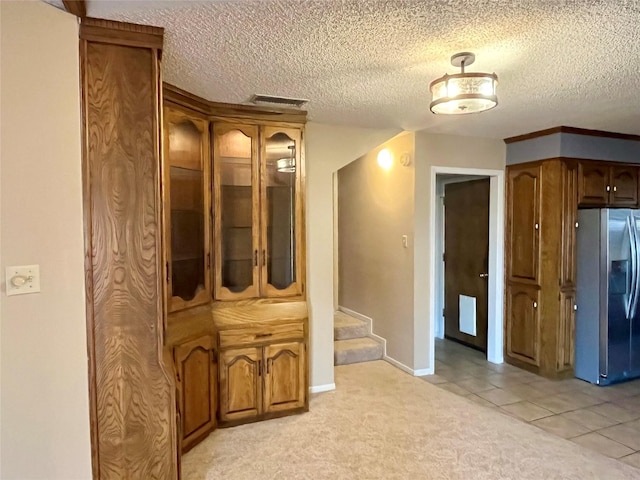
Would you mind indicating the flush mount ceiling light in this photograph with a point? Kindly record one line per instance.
(288, 164)
(463, 92)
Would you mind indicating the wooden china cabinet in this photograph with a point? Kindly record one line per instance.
(233, 196)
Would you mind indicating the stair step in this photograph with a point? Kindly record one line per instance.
(346, 327)
(356, 350)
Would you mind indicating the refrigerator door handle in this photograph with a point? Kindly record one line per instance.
(636, 270)
(633, 244)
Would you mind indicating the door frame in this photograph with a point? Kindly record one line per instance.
(495, 327)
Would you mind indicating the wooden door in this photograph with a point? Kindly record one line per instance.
(197, 383)
(593, 184)
(187, 200)
(523, 227)
(236, 211)
(240, 383)
(466, 233)
(285, 383)
(523, 323)
(624, 186)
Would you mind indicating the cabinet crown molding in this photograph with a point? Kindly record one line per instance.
(573, 130)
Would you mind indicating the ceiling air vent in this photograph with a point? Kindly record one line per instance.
(282, 101)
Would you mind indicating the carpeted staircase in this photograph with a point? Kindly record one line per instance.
(352, 343)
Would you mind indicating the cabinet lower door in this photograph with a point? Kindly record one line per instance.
(198, 392)
(285, 379)
(566, 330)
(523, 324)
(240, 383)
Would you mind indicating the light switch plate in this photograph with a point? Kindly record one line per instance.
(23, 279)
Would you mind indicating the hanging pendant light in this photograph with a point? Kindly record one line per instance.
(463, 92)
(287, 164)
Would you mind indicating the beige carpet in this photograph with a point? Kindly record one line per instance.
(381, 423)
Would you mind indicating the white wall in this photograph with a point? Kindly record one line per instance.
(439, 151)
(375, 207)
(43, 354)
(328, 148)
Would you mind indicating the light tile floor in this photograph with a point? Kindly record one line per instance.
(604, 419)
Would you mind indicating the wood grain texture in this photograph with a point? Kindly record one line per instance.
(232, 112)
(121, 33)
(285, 386)
(198, 386)
(240, 383)
(76, 7)
(132, 395)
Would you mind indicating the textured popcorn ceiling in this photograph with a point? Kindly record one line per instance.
(369, 62)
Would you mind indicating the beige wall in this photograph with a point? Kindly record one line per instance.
(328, 148)
(375, 209)
(441, 151)
(43, 354)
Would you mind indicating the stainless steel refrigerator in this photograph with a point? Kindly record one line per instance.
(607, 327)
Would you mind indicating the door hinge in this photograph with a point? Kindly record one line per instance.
(443, 312)
(167, 271)
(444, 257)
(208, 260)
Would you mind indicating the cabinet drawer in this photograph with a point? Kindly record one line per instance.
(252, 335)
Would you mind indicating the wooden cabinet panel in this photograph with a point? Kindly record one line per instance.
(523, 323)
(601, 184)
(285, 385)
(131, 395)
(197, 382)
(274, 333)
(624, 186)
(566, 331)
(240, 383)
(523, 214)
(569, 225)
(593, 180)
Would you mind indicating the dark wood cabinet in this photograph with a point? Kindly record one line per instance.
(196, 373)
(624, 186)
(523, 323)
(566, 330)
(523, 222)
(601, 184)
(540, 260)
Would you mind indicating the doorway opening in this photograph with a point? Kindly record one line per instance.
(467, 267)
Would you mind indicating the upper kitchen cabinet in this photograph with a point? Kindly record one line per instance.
(601, 184)
(258, 211)
(187, 199)
(523, 222)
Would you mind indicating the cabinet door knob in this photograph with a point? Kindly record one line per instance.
(577, 224)
(535, 304)
(484, 275)
(537, 226)
(575, 307)
(615, 189)
(608, 188)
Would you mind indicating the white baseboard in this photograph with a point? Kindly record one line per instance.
(409, 370)
(322, 388)
(369, 322)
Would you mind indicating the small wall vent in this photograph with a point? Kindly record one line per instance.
(282, 101)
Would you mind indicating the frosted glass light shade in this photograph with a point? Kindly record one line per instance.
(286, 165)
(464, 93)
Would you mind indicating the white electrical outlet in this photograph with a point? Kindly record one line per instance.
(23, 279)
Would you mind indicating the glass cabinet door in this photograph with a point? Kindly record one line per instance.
(236, 179)
(281, 212)
(186, 199)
